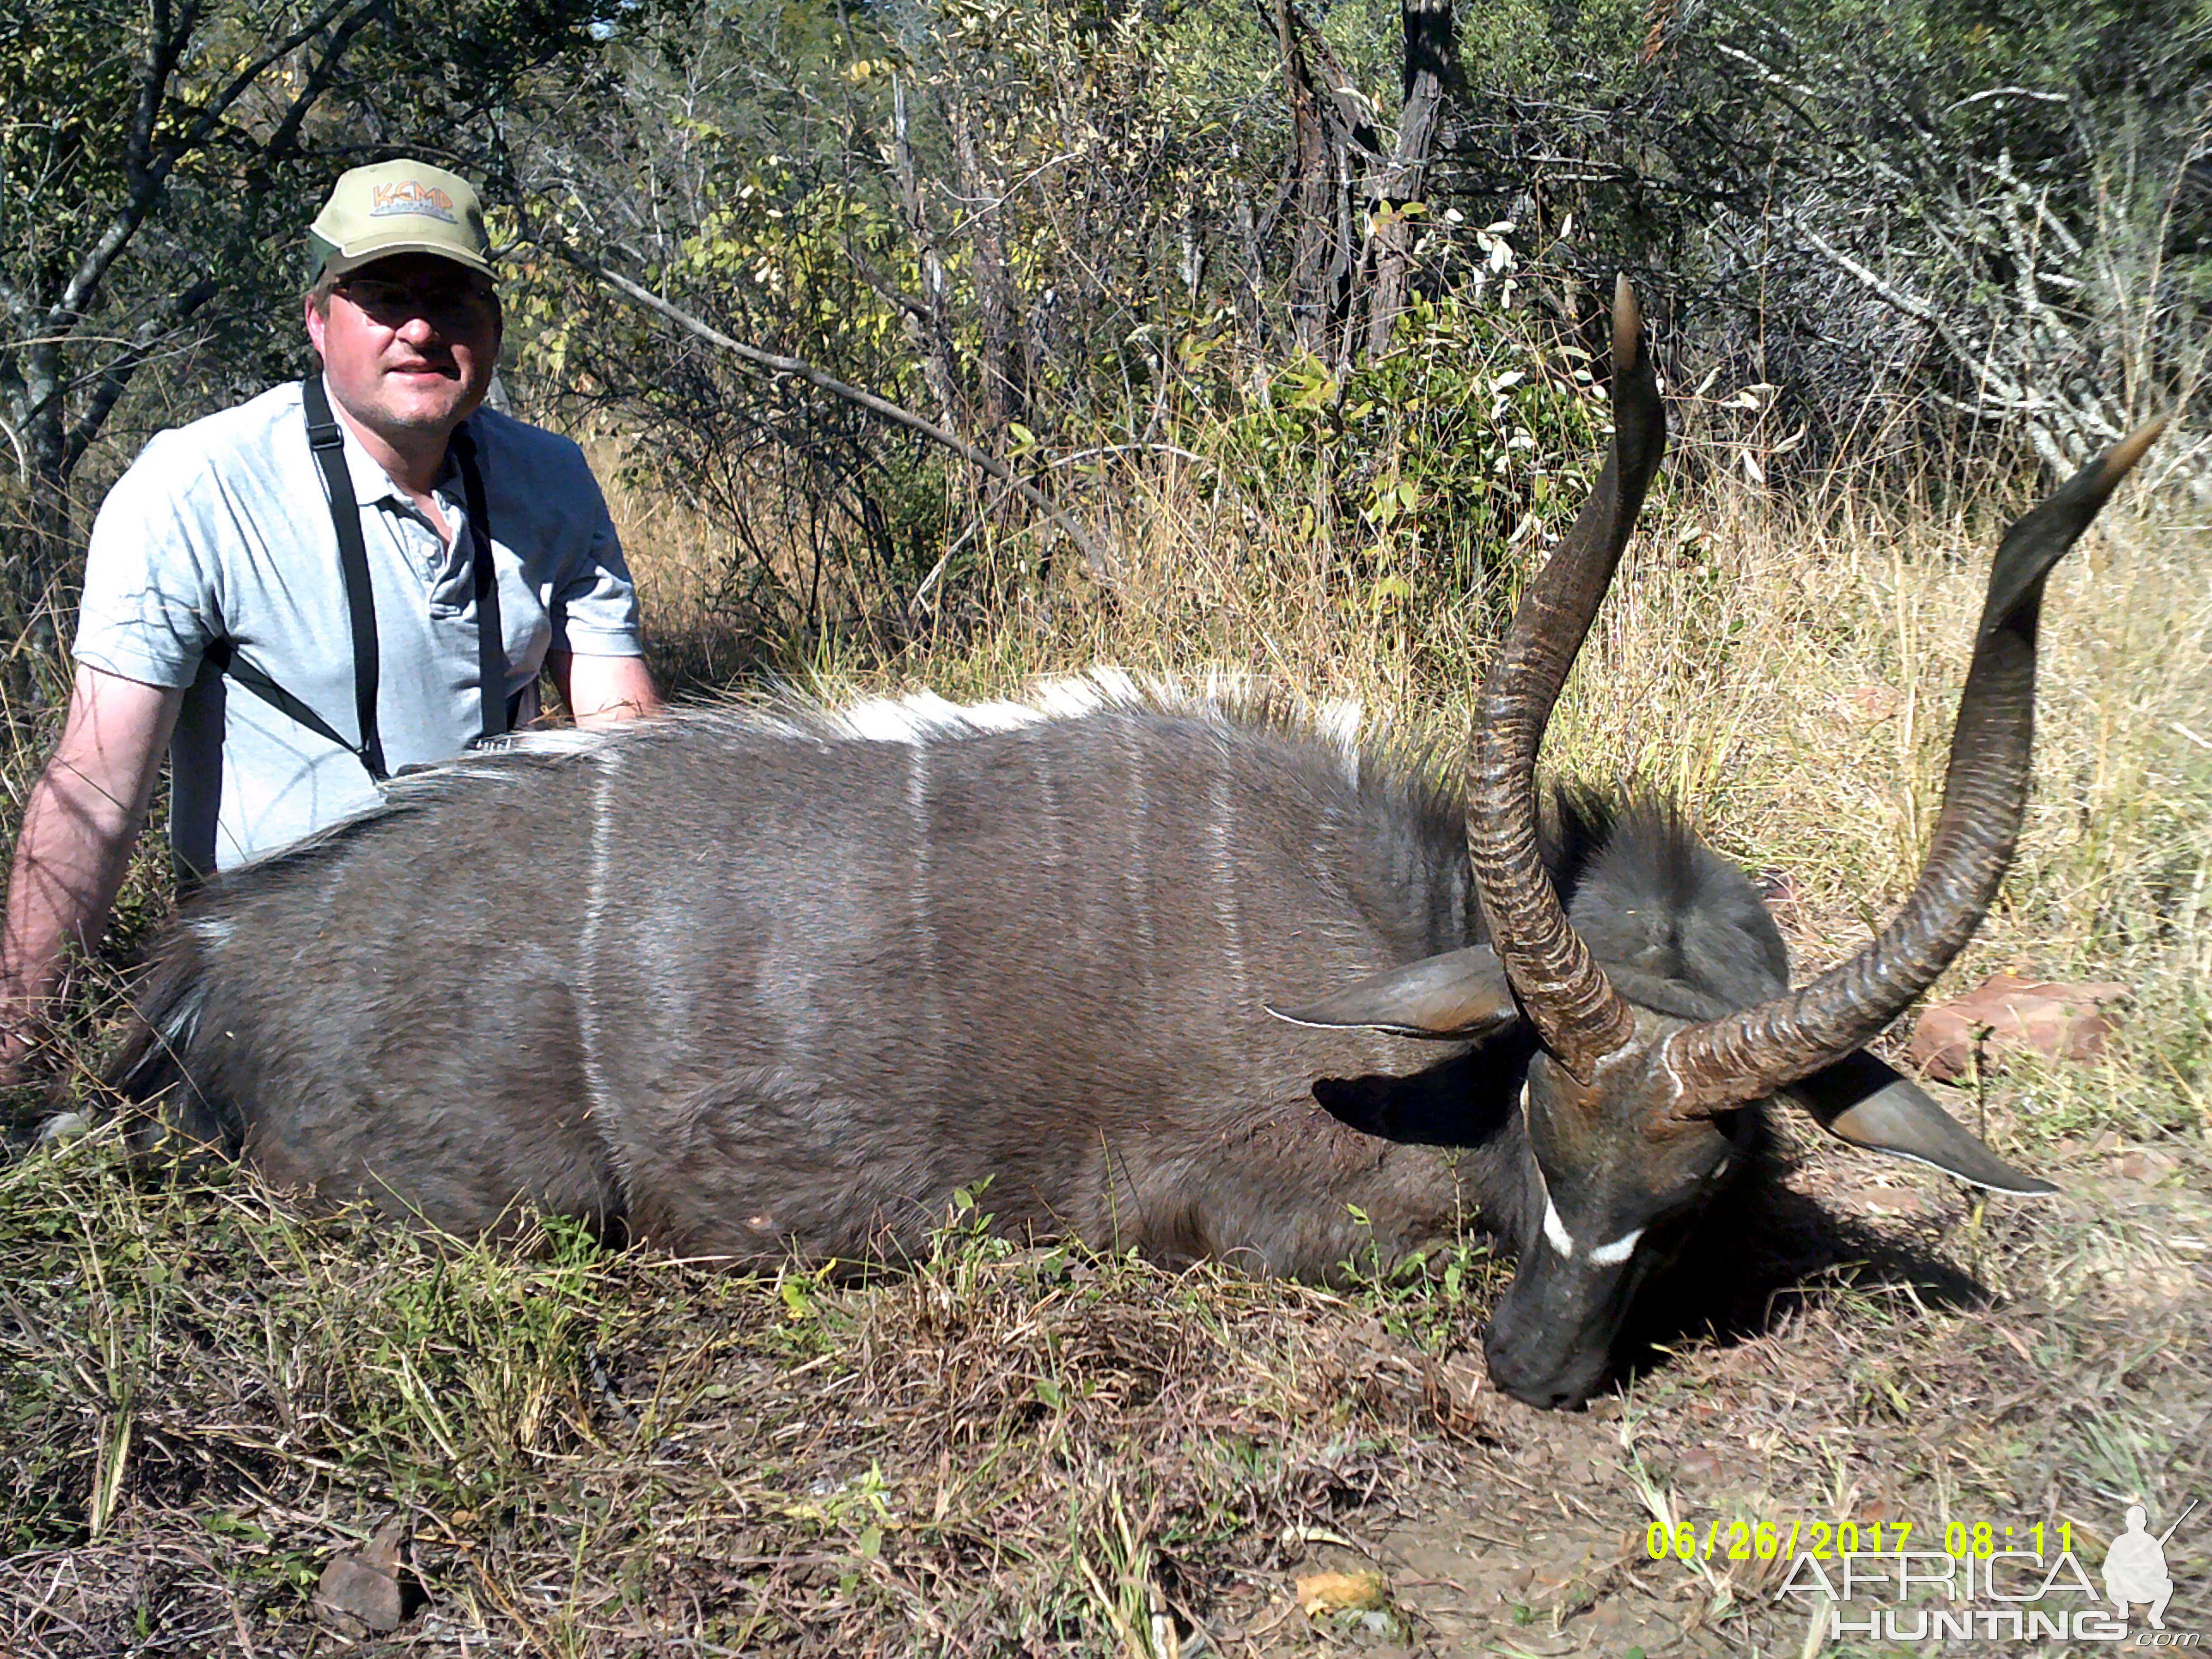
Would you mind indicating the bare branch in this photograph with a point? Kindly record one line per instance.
(116, 377)
(2006, 389)
(282, 141)
(146, 172)
(1101, 563)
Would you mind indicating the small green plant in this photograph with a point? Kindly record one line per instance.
(1429, 1297)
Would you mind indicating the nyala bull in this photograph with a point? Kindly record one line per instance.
(1201, 980)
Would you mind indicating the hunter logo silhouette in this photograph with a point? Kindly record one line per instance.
(2135, 1567)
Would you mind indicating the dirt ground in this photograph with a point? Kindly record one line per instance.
(2013, 1364)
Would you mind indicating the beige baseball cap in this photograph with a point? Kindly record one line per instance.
(399, 207)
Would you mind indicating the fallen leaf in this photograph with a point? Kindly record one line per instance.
(1321, 1594)
(1865, 704)
(1699, 1463)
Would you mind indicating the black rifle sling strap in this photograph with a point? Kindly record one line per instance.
(328, 444)
(499, 712)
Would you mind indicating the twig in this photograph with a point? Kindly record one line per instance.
(2008, 92)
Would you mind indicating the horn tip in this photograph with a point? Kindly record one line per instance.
(2123, 455)
(1627, 324)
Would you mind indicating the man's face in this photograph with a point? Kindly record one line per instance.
(409, 344)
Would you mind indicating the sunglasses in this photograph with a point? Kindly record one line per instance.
(435, 299)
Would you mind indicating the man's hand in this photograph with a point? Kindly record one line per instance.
(82, 818)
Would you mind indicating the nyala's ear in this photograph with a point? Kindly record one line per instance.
(1461, 994)
(1869, 1104)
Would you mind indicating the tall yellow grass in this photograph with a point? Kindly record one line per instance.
(1791, 673)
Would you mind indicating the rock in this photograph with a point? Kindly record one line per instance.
(2009, 1014)
(361, 1593)
(63, 1127)
(2148, 1167)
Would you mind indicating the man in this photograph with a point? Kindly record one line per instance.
(224, 618)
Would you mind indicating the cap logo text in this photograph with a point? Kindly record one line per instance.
(406, 196)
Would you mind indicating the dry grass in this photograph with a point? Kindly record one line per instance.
(202, 1397)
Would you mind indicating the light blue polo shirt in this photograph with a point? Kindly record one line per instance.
(222, 529)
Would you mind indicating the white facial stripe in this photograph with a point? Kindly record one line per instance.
(1555, 1230)
(1608, 1256)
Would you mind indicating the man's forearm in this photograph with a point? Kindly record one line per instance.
(601, 690)
(74, 844)
(70, 857)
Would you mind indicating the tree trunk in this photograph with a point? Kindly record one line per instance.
(931, 337)
(1336, 154)
(1400, 188)
(38, 538)
(1004, 358)
(1318, 265)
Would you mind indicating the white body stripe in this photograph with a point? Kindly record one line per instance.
(1220, 838)
(924, 919)
(602, 1104)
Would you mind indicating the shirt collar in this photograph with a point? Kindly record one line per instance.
(371, 482)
